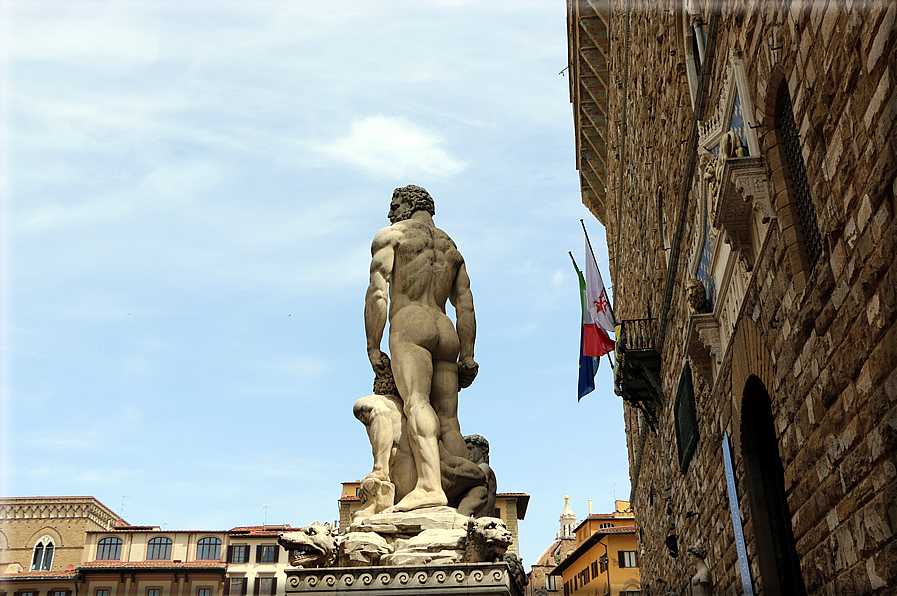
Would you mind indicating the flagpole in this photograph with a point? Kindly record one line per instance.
(609, 305)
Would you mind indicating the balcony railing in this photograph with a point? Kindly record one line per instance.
(637, 373)
(637, 335)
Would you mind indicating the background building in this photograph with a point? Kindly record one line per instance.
(605, 560)
(48, 533)
(60, 546)
(742, 158)
(541, 582)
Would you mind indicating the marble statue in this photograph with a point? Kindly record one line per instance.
(315, 545)
(478, 453)
(465, 481)
(695, 296)
(415, 269)
(700, 582)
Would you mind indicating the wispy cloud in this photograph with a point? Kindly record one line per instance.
(394, 146)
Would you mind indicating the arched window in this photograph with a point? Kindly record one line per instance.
(606, 525)
(685, 417)
(159, 549)
(109, 549)
(803, 201)
(208, 549)
(42, 559)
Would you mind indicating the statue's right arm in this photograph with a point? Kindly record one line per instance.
(375, 301)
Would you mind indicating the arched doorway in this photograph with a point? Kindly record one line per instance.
(770, 517)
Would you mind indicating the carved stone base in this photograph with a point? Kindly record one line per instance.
(487, 579)
(702, 343)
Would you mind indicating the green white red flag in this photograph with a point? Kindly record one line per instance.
(598, 322)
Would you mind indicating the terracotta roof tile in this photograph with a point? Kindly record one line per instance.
(113, 565)
(27, 575)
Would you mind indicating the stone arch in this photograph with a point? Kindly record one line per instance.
(46, 531)
(750, 357)
(4, 540)
(770, 518)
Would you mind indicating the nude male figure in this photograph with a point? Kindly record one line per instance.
(415, 269)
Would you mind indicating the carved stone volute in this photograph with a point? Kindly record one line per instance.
(743, 189)
(702, 343)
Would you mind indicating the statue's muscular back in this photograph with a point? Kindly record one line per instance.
(426, 262)
(425, 266)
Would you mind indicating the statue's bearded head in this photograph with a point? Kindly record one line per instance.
(408, 199)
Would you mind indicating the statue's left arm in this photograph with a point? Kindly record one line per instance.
(375, 301)
(462, 300)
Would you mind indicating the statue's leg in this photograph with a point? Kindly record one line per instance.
(444, 392)
(413, 370)
(375, 414)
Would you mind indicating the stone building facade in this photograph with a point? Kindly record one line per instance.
(742, 158)
(57, 526)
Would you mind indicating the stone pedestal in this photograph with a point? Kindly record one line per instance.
(487, 579)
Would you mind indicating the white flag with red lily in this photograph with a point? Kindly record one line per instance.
(597, 341)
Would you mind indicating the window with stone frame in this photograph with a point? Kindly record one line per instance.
(627, 559)
(204, 592)
(685, 417)
(266, 553)
(802, 199)
(265, 586)
(42, 557)
(153, 592)
(236, 586)
(238, 553)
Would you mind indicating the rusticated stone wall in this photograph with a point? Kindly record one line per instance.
(822, 340)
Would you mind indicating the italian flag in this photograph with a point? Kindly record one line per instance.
(598, 320)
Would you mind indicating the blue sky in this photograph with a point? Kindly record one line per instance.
(189, 193)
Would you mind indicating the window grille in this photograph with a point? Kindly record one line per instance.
(806, 212)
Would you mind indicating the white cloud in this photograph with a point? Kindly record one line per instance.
(394, 146)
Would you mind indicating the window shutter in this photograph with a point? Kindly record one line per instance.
(276, 553)
(258, 581)
(258, 553)
(245, 586)
(227, 582)
(230, 553)
(273, 586)
(621, 562)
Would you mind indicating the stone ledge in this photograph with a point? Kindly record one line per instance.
(464, 578)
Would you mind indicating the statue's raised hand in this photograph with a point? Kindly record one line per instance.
(379, 361)
(467, 372)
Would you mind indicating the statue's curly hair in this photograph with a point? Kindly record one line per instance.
(698, 550)
(418, 196)
(385, 383)
(481, 442)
